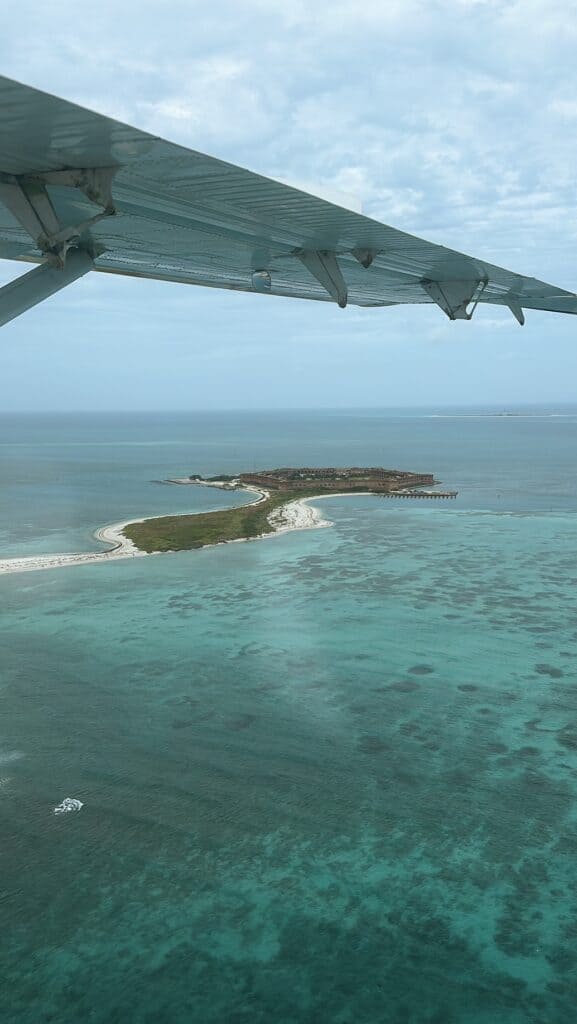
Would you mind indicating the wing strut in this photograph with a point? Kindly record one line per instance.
(69, 250)
(27, 198)
(38, 284)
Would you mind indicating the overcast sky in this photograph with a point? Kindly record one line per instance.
(451, 119)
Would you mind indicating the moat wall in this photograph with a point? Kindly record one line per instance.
(384, 481)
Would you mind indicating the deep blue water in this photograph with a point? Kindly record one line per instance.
(327, 776)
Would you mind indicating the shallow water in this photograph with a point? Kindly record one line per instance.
(327, 776)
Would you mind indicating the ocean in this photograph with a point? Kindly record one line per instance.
(329, 776)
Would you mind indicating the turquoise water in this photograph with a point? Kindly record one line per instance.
(327, 776)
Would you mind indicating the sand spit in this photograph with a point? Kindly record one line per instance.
(122, 548)
(295, 515)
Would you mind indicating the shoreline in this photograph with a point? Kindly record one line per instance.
(295, 515)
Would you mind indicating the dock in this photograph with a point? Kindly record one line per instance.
(420, 494)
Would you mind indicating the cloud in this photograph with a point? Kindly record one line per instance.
(567, 109)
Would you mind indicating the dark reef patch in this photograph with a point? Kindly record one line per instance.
(532, 725)
(567, 737)
(410, 728)
(240, 722)
(567, 844)
(408, 686)
(542, 669)
(372, 745)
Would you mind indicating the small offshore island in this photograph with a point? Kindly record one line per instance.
(279, 507)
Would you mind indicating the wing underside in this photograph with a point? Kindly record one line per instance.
(81, 192)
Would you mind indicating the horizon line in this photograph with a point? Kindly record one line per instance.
(503, 406)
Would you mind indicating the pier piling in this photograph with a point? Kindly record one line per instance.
(420, 494)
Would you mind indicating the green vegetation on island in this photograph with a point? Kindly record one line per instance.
(181, 533)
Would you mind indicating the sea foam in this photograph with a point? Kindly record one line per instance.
(68, 804)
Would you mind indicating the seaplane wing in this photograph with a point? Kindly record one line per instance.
(80, 192)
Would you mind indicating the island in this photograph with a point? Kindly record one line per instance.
(280, 504)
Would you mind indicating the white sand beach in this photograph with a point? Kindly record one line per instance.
(123, 548)
(295, 515)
